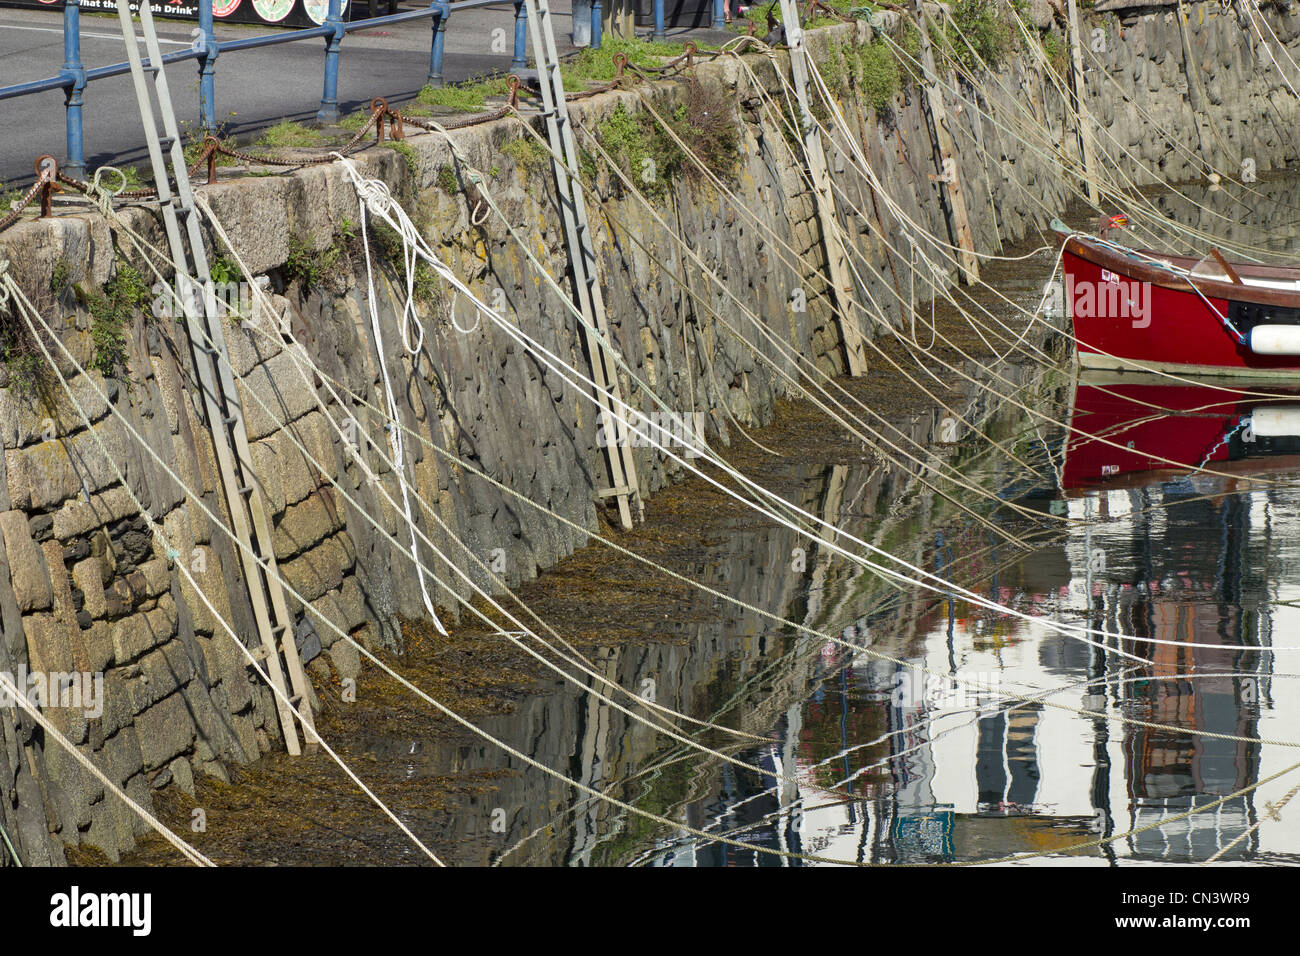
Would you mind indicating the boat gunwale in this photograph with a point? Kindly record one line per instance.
(1084, 247)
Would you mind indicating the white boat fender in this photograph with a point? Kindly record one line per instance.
(1274, 340)
(1275, 421)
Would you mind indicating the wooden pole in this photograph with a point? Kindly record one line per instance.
(1082, 127)
(941, 139)
(837, 260)
(623, 18)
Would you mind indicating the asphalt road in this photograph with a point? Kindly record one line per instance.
(253, 89)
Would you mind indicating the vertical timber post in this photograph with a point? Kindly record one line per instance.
(941, 137)
(623, 18)
(815, 153)
(1082, 126)
(624, 488)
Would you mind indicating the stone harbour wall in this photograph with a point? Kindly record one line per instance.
(84, 586)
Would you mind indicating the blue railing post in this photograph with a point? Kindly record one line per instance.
(597, 23)
(207, 45)
(75, 163)
(520, 60)
(719, 14)
(659, 20)
(442, 10)
(329, 103)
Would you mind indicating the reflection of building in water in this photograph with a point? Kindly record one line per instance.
(1038, 778)
(1006, 763)
(1188, 593)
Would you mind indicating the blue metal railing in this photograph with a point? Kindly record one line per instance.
(73, 77)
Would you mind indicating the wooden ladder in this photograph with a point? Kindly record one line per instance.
(837, 257)
(582, 258)
(224, 410)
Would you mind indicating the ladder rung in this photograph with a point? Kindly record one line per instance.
(618, 492)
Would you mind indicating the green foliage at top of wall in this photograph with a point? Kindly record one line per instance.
(871, 68)
(447, 180)
(597, 66)
(635, 143)
(978, 35)
(287, 134)
(407, 152)
(652, 158)
(305, 265)
(224, 270)
(23, 362)
(194, 138)
(467, 97)
(526, 151)
(112, 310)
(1055, 50)
(59, 277)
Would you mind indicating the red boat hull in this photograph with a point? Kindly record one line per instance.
(1123, 320)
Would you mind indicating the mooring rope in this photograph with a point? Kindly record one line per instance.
(19, 697)
(548, 358)
(29, 311)
(757, 610)
(1033, 315)
(409, 317)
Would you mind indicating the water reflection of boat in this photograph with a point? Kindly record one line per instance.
(1139, 309)
(1132, 425)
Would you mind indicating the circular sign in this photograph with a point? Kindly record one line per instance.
(318, 10)
(272, 11)
(224, 8)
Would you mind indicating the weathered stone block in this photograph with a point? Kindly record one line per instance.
(321, 569)
(78, 516)
(205, 567)
(139, 633)
(89, 579)
(48, 648)
(182, 774)
(279, 384)
(161, 672)
(31, 581)
(165, 731)
(307, 523)
(121, 755)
